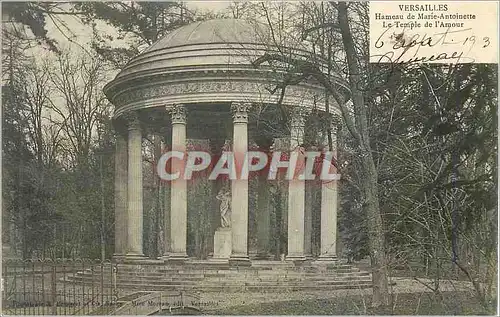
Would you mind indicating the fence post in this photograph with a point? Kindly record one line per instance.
(114, 268)
(44, 300)
(54, 289)
(4, 285)
(102, 284)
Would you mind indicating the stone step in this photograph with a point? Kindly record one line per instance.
(197, 277)
(134, 268)
(218, 276)
(302, 283)
(230, 274)
(300, 276)
(301, 288)
(134, 282)
(226, 275)
(243, 286)
(288, 267)
(171, 268)
(237, 281)
(262, 276)
(239, 288)
(161, 275)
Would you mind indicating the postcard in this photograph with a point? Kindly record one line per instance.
(249, 158)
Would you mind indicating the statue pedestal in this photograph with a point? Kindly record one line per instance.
(222, 243)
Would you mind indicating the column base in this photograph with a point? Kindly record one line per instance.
(263, 256)
(239, 260)
(295, 258)
(309, 256)
(134, 257)
(326, 259)
(179, 257)
(119, 257)
(218, 260)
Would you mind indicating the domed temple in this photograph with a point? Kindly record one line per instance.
(199, 83)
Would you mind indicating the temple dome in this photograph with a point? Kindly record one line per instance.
(213, 42)
(209, 62)
(213, 31)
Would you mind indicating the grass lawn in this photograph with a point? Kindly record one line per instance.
(452, 303)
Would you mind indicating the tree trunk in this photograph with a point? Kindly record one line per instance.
(375, 233)
(367, 168)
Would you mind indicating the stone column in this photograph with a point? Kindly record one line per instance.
(134, 214)
(296, 191)
(263, 206)
(329, 203)
(178, 187)
(263, 218)
(166, 205)
(308, 223)
(239, 187)
(121, 165)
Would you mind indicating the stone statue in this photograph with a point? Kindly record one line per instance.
(227, 146)
(225, 207)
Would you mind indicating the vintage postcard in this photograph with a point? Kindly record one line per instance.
(249, 158)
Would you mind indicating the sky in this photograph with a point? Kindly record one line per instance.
(80, 34)
(72, 35)
(209, 5)
(84, 30)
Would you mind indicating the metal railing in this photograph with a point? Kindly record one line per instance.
(60, 287)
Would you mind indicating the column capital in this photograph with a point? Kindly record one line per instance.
(133, 122)
(120, 126)
(239, 111)
(178, 112)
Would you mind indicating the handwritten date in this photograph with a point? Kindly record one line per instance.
(404, 48)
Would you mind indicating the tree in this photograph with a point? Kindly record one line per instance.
(355, 117)
(28, 148)
(81, 110)
(142, 23)
(439, 173)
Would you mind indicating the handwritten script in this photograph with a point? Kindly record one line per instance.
(406, 47)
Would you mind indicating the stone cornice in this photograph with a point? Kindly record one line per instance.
(218, 85)
(163, 77)
(213, 86)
